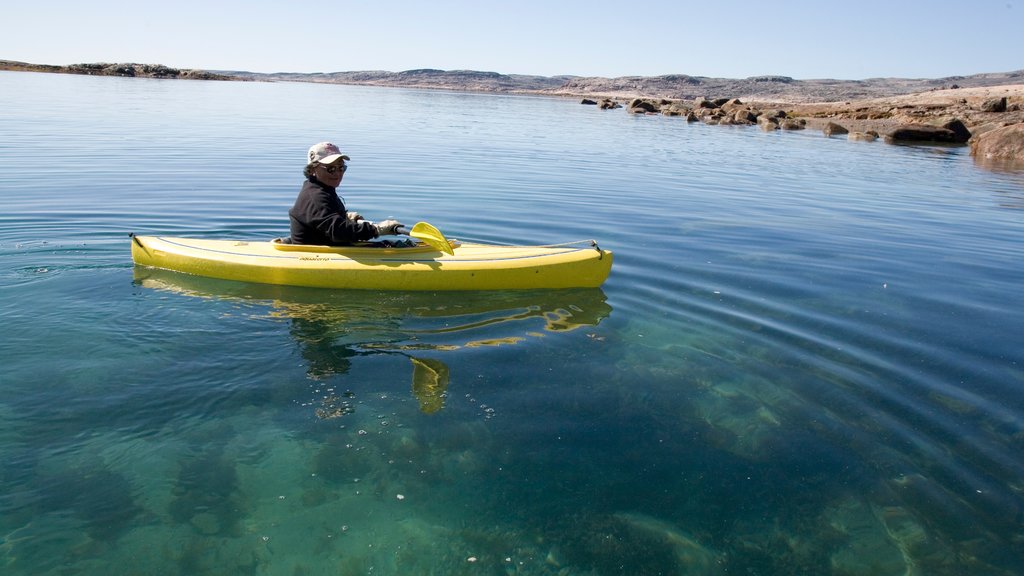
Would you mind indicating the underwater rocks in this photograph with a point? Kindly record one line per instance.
(632, 543)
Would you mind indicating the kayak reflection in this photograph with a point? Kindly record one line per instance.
(333, 328)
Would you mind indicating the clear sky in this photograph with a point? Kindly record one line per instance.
(735, 39)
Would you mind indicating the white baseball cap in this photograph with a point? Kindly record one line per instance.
(325, 153)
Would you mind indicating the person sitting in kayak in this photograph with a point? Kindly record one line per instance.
(319, 215)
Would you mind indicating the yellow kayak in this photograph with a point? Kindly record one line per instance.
(422, 267)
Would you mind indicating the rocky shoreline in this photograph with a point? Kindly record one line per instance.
(989, 119)
(983, 110)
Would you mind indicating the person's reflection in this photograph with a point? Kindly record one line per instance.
(321, 331)
(319, 348)
(325, 357)
(330, 334)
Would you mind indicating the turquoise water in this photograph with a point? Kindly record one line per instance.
(807, 359)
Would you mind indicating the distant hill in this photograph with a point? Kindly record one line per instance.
(671, 86)
(468, 80)
(130, 70)
(777, 88)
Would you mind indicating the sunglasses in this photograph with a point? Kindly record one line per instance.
(332, 170)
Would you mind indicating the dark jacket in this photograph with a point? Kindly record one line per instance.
(318, 217)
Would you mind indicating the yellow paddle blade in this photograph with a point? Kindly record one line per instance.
(431, 236)
(429, 383)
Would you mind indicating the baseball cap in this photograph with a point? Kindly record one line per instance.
(325, 153)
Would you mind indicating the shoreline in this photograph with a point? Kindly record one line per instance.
(954, 110)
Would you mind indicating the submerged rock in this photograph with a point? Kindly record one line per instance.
(690, 556)
(630, 543)
(867, 549)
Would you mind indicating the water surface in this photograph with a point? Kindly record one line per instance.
(807, 359)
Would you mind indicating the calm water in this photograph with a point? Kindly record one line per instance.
(808, 358)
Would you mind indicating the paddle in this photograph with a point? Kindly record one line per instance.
(429, 235)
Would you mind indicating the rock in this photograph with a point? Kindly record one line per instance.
(206, 523)
(833, 128)
(793, 124)
(744, 117)
(589, 102)
(866, 548)
(674, 110)
(869, 136)
(1005, 143)
(958, 128)
(993, 105)
(733, 105)
(768, 123)
(643, 106)
(609, 104)
(923, 133)
(987, 127)
(684, 553)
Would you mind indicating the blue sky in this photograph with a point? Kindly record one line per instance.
(736, 39)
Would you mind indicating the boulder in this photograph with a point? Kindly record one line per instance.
(833, 128)
(733, 105)
(958, 128)
(793, 124)
(674, 109)
(589, 102)
(1005, 143)
(869, 136)
(643, 106)
(923, 133)
(768, 123)
(986, 127)
(744, 117)
(993, 105)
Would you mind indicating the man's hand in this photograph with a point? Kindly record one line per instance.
(388, 227)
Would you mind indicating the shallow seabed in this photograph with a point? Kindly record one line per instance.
(807, 359)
